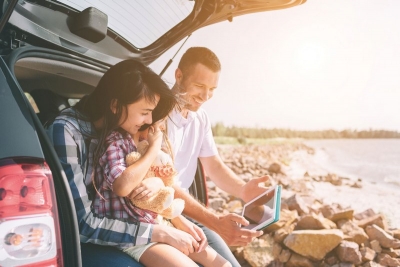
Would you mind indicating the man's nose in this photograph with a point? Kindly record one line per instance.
(205, 94)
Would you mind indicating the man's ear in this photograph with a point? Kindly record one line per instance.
(178, 75)
(113, 106)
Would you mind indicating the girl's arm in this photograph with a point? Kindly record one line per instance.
(69, 145)
(133, 175)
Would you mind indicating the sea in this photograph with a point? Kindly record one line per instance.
(376, 162)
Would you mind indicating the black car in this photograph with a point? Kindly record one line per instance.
(52, 54)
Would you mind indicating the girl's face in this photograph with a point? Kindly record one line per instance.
(137, 114)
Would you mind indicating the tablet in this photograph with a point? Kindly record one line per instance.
(263, 210)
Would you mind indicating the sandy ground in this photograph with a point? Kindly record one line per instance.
(381, 198)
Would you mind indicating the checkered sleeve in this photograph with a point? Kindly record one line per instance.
(69, 145)
(115, 163)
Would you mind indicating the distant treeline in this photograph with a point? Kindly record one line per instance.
(219, 129)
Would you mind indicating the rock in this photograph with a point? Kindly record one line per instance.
(375, 246)
(313, 244)
(352, 232)
(331, 259)
(367, 254)
(385, 240)
(239, 255)
(282, 233)
(216, 203)
(365, 214)
(298, 261)
(335, 214)
(343, 264)
(333, 179)
(287, 218)
(259, 252)
(396, 233)
(234, 206)
(371, 264)
(348, 252)
(285, 255)
(274, 168)
(357, 185)
(276, 250)
(295, 202)
(386, 260)
(314, 222)
(377, 219)
(211, 185)
(394, 253)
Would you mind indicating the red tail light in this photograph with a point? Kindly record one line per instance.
(29, 228)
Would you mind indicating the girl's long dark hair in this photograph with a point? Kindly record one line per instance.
(125, 83)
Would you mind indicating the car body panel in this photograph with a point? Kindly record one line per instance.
(37, 49)
(18, 134)
(32, 19)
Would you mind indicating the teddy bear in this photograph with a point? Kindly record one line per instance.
(163, 202)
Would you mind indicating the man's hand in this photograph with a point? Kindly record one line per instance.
(187, 226)
(253, 188)
(147, 188)
(179, 239)
(228, 228)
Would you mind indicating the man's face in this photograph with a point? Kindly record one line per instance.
(196, 86)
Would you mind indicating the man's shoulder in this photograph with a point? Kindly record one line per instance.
(202, 115)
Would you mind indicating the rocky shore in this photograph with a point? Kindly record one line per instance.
(312, 230)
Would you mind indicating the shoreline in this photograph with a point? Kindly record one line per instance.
(326, 219)
(380, 197)
(297, 159)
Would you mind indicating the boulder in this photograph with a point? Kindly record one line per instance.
(259, 252)
(298, 261)
(295, 202)
(348, 252)
(352, 232)
(313, 244)
(385, 240)
(314, 222)
(335, 213)
(377, 219)
(386, 260)
(367, 254)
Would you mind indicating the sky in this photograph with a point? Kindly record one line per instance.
(326, 64)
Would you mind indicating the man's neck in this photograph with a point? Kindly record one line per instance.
(184, 112)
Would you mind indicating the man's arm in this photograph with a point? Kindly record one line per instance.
(227, 180)
(225, 225)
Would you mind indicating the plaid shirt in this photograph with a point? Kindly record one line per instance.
(111, 165)
(74, 140)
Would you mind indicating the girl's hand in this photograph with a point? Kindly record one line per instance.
(196, 232)
(147, 188)
(180, 240)
(155, 135)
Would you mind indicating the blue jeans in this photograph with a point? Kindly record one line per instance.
(218, 244)
(105, 256)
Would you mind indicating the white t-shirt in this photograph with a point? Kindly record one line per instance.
(190, 138)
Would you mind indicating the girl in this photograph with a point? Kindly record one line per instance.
(128, 97)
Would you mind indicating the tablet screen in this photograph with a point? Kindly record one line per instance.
(263, 210)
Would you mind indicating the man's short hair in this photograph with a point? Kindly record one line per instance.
(201, 55)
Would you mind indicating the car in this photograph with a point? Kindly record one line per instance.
(52, 54)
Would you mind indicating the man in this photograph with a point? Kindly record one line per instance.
(189, 131)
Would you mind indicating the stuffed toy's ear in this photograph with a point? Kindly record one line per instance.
(132, 158)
